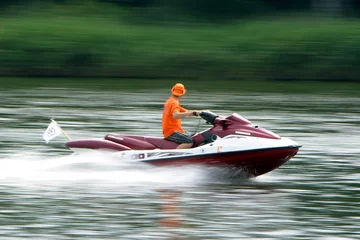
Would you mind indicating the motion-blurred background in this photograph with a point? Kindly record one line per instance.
(207, 39)
(100, 66)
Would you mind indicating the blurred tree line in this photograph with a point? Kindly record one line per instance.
(227, 39)
(219, 10)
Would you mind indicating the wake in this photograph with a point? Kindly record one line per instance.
(94, 168)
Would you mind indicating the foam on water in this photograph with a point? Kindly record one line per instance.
(93, 168)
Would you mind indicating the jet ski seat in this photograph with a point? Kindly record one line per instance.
(161, 143)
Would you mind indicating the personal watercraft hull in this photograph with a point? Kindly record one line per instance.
(253, 162)
(254, 156)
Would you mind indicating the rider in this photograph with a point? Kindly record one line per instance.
(173, 114)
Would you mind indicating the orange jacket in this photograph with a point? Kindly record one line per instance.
(170, 124)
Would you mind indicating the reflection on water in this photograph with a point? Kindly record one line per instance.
(48, 193)
(170, 207)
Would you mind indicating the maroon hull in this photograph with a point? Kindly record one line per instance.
(96, 144)
(254, 162)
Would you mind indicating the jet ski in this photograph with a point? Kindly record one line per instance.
(232, 142)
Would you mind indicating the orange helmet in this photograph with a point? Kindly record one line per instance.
(178, 90)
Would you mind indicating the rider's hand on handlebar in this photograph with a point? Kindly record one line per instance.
(196, 113)
(199, 112)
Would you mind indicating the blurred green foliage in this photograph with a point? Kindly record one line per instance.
(153, 85)
(177, 39)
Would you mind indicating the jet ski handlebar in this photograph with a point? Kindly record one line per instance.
(208, 116)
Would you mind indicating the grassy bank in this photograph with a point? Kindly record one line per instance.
(105, 45)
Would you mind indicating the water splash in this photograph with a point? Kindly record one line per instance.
(93, 168)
